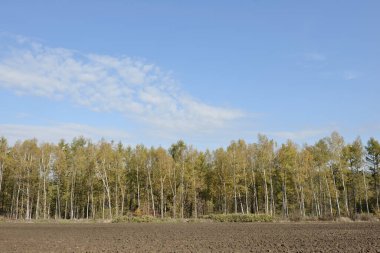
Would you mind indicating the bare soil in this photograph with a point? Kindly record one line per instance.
(191, 237)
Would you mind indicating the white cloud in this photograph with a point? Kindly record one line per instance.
(54, 133)
(137, 89)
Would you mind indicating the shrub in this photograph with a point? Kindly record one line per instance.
(138, 212)
(310, 218)
(240, 217)
(295, 217)
(326, 218)
(343, 219)
(376, 215)
(135, 219)
(365, 217)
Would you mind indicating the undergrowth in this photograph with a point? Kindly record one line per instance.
(240, 217)
(135, 219)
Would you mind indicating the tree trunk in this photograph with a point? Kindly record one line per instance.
(272, 206)
(147, 195)
(17, 198)
(162, 197)
(336, 193)
(366, 192)
(92, 202)
(122, 200)
(329, 196)
(58, 203)
(246, 190)
(151, 193)
(138, 187)
(195, 195)
(377, 193)
(1, 175)
(56, 210)
(66, 209)
(45, 195)
(182, 189)
(109, 200)
(38, 202)
(175, 206)
(345, 193)
(27, 215)
(88, 205)
(13, 200)
(241, 204)
(303, 202)
(298, 192)
(255, 202)
(315, 199)
(174, 192)
(72, 194)
(266, 193)
(103, 204)
(284, 197)
(116, 196)
(225, 197)
(235, 193)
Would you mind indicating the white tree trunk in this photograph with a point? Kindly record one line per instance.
(266, 193)
(336, 193)
(329, 196)
(162, 197)
(151, 192)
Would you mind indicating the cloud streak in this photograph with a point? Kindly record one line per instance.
(54, 133)
(301, 135)
(315, 57)
(139, 90)
(350, 75)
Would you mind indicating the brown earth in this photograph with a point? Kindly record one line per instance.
(191, 237)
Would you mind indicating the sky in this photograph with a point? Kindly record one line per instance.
(207, 72)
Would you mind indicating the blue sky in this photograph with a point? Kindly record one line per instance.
(207, 72)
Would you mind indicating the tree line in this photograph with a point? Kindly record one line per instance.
(105, 180)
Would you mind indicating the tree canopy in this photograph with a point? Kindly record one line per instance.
(86, 180)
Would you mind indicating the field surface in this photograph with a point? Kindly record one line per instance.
(191, 237)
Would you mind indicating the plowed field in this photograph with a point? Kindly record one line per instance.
(191, 237)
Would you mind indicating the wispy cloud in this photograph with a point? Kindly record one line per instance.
(315, 56)
(133, 87)
(302, 135)
(350, 75)
(53, 133)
